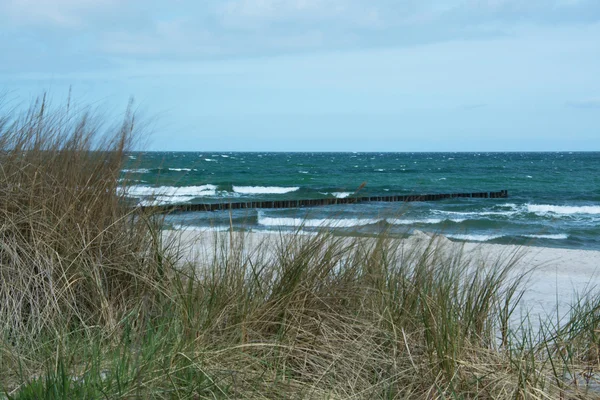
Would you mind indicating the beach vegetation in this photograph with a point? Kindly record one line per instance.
(98, 300)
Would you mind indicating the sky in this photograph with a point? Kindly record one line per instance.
(319, 75)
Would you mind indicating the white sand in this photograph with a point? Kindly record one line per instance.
(558, 274)
(557, 278)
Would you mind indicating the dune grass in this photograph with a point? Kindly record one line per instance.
(97, 302)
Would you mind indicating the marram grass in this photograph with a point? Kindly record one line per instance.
(97, 302)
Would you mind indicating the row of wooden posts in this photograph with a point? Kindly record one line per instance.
(321, 202)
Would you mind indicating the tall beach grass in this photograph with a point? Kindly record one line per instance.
(97, 301)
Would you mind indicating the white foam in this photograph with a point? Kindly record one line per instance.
(316, 223)
(565, 210)
(210, 159)
(558, 236)
(182, 169)
(397, 221)
(162, 200)
(473, 238)
(339, 195)
(224, 156)
(263, 189)
(170, 191)
(476, 214)
(303, 172)
(136, 171)
(380, 170)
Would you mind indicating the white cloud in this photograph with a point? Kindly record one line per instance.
(276, 9)
(61, 13)
(117, 30)
(253, 13)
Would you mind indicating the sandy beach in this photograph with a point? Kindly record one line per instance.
(556, 276)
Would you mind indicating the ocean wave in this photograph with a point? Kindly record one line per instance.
(263, 189)
(170, 191)
(476, 214)
(339, 195)
(398, 221)
(210, 160)
(160, 200)
(315, 223)
(182, 169)
(473, 237)
(558, 236)
(542, 209)
(136, 171)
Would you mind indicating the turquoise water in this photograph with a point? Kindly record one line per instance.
(554, 198)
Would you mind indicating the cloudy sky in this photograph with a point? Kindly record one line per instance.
(329, 75)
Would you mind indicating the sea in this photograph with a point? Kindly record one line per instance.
(553, 198)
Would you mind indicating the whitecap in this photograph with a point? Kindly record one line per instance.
(542, 209)
(159, 200)
(263, 189)
(136, 171)
(339, 195)
(476, 214)
(558, 236)
(303, 172)
(210, 160)
(473, 238)
(169, 191)
(181, 169)
(316, 223)
(398, 221)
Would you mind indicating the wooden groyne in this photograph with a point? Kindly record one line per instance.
(321, 202)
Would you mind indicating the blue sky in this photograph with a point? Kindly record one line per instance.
(320, 75)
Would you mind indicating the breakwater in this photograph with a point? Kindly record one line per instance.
(299, 203)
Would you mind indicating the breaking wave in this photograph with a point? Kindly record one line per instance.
(263, 189)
